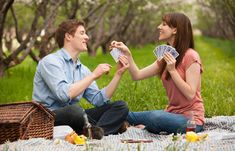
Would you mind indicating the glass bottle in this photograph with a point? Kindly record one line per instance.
(191, 123)
(87, 127)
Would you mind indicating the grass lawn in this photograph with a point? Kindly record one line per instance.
(218, 80)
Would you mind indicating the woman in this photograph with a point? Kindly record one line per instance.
(181, 78)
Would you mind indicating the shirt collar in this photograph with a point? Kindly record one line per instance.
(67, 57)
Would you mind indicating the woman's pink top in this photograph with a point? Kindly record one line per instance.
(178, 103)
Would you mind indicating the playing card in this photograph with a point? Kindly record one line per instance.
(168, 48)
(174, 53)
(159, 51)
(162, 49)
(155, 52)
(115, 53)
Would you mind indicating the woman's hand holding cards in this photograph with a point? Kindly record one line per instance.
(170, 61)
(121, 46)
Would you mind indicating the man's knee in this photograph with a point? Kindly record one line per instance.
(122, 105)
(74, 111)
(70, 115)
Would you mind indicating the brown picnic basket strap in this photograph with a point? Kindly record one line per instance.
(25, 133)
(35, 107)
(27, 113)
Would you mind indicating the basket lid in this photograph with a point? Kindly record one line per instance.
(16, 112)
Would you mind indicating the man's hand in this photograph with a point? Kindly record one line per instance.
(101, 69)
(123, 65)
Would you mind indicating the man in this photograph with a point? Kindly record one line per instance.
(61, 80)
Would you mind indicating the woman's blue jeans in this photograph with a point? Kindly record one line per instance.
(157, 121)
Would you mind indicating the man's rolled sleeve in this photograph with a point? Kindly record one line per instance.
(95, 96)
(53, 75)
(103, 92)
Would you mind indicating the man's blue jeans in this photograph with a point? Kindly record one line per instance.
(104, 116)
(157, 121)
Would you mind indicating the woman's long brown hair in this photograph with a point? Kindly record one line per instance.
(183, 38)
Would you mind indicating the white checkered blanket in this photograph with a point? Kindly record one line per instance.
(220, 130)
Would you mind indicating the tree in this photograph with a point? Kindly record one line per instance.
(219, 17)
(45, 10)
(33, 25)
(116, 20)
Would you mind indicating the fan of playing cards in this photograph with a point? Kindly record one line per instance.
(162, 49)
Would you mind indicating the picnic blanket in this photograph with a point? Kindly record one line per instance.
(220, 130)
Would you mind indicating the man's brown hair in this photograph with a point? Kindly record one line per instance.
(68, 26)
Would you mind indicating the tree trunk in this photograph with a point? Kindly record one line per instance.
(104, 49)
(91, 51)
(2, 69)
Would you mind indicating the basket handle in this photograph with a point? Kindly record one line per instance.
(24, 136)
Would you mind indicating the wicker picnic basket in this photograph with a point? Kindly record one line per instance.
(25, 120)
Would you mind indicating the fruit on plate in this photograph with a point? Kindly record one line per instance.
(70, 137)
(74, 138)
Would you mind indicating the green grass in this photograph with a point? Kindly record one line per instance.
(218, 80)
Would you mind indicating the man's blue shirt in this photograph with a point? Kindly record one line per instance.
(54, 75)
